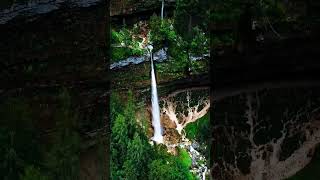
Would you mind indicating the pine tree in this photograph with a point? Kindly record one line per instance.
(137, 158)
(63, 157)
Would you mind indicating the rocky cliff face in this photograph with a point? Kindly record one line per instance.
(49, 45)
(267, 134)
(28, 8)
(125, 7)
(59, 47)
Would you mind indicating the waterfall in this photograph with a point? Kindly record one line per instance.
(157, 137)
(162, 7)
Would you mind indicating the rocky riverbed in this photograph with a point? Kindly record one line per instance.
(199, 166)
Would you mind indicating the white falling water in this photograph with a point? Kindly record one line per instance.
(162, 7)
(157, 137)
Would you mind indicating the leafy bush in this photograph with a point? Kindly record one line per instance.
(168, 169)
(123, 36)
(120, 53)
(62, 160)
(184, 158)
(185, 13)
(223, 39)
(162, 32)
(199, 43)
(125, 44)
(18, 138)
(132, 157)
(23, 156)
(33, 173)
(199, 129)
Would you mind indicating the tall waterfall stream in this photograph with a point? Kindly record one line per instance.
(199, 167)
(157, 137)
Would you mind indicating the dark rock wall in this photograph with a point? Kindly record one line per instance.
(10, 9)
(65, 48)
(265, 122)
(123, 7)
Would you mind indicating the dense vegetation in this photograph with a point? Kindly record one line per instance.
(184, 36)
(132, 157)
(27, 153)
(182, 46)
(250, 23)
(173, 68)
(200, 131)
(162, 34)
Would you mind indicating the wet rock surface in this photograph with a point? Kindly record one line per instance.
(35, 8)
(158, 56)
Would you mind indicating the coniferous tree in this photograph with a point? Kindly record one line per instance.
(19, 145)
(63, 157)
(138, 157)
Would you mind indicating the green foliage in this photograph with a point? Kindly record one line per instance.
(63, 157)
(182, 41)
(123, 128)
(186, 11)
(125, 44)
(226, 39)
(164, 169)
(162, 32)
(199, 43)
(226, 11)
(123, 36)
(115, 106)
(119, 140)
(226, 14)
(199, 129)
(18, 139)
(169, 168)
(120, 53)
(184, 158)
(24, 157)
(133, 158)
(33, 173)
(129, 114)
(230, 10)
(139, 152)
(179, 54)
